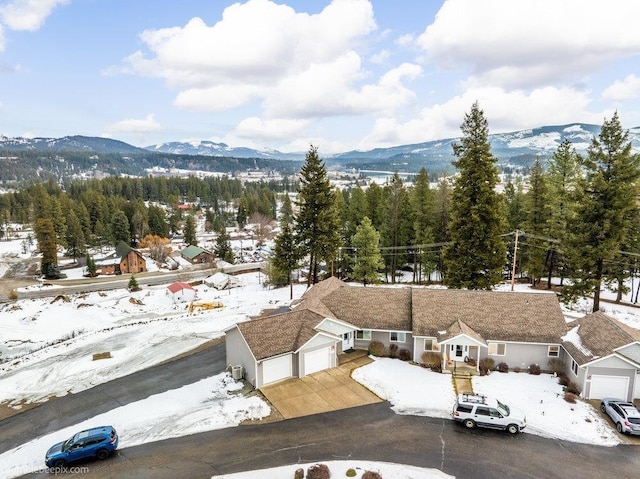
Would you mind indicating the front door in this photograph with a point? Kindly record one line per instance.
(459, 352)
(347, 341)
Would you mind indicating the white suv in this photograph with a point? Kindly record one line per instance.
(477, 410)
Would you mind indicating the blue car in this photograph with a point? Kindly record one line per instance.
(624, 415)
(97, 442)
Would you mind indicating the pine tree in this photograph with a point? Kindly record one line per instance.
(133, 284)
(286, 210)
(286, 257)
(46, 238)
(316, 226)
(120, 228)
(605, 198)
(76, 244)
(396, 227)
(223, 247)
(536, 224)
(477, 254)
(422, 206)
(562, 178)
(367, 260)
(190, 231)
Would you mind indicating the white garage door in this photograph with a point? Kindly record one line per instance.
(637, 392)
(276, 369)
(608, 386)
(317, 360)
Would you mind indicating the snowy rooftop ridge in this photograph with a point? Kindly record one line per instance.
(573, 337)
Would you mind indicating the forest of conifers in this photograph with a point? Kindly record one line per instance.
(576, 216)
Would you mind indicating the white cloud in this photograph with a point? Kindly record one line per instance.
(255, 128)
(133, 126)
(2, 39)
(296, 64)
(27, 14)
(627, 89)
(505, 111)
(526, 43)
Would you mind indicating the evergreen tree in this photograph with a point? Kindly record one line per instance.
(133, 284)
(536, 224)
(120, 228)
(286, 257)
(91, 267)
(514, 199)
(562, 178)
(317, 227)
(46, 238)
(76, 244)
(442, 219)
(422, 207)
(190, 231)
(606, 197)
(286, 210)
(158, 224)
(367, 260)
(477, 255)
(396, 227)
(223, 247)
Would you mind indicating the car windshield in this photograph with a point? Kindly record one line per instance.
(503, 408)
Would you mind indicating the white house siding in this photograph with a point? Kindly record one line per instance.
(522, 355)
(238, 354)
(602, 371)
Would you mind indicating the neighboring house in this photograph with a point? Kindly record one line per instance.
(221, 280)
(196, 254)
(125, 260)
(603, 357)
(516, 328)
(181, 292)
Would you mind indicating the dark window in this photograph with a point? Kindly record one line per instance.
(482, 411)
(464, 408)
(495, 413)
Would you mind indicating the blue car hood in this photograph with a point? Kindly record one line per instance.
(55, 449)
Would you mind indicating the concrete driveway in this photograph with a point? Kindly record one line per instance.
(324, 391)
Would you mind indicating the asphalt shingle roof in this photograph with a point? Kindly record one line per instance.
(494, 315)
(279, 334)
(599, 336)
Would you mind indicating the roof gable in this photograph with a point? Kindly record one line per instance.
(179, 286)
(192, 251)
(597, 335)
(279, 334)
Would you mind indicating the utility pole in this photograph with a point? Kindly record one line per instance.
(515, 255)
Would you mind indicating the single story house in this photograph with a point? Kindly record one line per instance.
(181, 292)
(196, 254)
(460, 326)
(125, 260)
(516, 328)
(221, 280)
(603, 357)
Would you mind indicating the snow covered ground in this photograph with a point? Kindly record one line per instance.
(47, 349)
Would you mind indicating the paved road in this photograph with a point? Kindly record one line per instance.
(368, 433)
(71, 409)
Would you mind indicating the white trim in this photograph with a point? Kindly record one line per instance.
(496, 353)
(616, 355)
(549, 355)
(319, 333)
(627, 345)
(404, 340)
(362, 331)
(455, 338)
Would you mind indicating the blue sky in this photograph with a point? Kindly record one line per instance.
(341, 74)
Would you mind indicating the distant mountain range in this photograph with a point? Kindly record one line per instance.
(515, 149)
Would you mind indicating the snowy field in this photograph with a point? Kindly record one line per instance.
(47, 349)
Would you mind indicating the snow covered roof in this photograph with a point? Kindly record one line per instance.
(597, 335)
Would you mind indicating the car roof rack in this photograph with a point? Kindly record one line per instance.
(474, 398)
